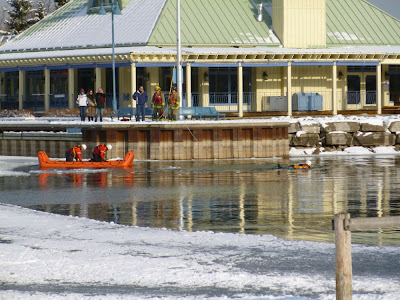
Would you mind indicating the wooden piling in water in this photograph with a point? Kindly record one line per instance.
(344, 275)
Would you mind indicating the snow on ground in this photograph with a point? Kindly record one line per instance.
(356, 150)
(12, 116)
(46, 256)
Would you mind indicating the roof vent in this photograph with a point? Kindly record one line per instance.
(259, 16)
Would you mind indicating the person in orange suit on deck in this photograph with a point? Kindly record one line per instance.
(75, 153)
(99, 152)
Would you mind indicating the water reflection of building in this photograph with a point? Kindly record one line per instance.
(242, 197)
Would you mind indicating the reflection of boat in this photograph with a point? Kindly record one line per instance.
(45, 162)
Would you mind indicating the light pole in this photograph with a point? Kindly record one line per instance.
(114, 11)
(179, 50)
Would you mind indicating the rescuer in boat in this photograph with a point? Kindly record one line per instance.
(99, 152)
(75, 153)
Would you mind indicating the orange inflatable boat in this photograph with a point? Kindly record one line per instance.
(45, 162)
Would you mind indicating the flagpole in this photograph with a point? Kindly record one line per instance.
(179, 50)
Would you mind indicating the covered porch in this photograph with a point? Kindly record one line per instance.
(257, 81)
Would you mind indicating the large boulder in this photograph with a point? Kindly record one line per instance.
(345, 126)
(368, 139)
(293, 127)
(304, 139)
(310, 127)
(373, 126)
(338, 138)
(394, 126)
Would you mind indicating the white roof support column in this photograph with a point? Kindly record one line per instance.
(289, 89)
(133, 83)
(46, 89)
(334, 89)
(71, 88)
(379, 89)
(21, 88)
(98, 77)
(240, 90)
(189, 84)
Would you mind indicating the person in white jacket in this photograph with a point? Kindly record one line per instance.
(82, 101)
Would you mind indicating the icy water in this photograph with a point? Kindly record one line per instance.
(244, 196)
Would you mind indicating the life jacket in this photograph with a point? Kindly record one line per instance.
(100, 150)
(76, 152)
(157, 99)
(302, 166)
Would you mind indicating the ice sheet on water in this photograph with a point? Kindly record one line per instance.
(79, 257)
(14, 165)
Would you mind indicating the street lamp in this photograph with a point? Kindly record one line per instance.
(179, 50)
(114, 11)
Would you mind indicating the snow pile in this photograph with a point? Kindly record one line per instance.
(15, 113)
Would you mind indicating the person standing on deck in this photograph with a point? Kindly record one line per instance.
(100, 102)
(91, 105)
(158, 103)
(173, 105)
(82, 102)
(140, 96)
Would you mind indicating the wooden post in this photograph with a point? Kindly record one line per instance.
(343, 258)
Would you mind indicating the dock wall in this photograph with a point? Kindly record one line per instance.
(155, 142)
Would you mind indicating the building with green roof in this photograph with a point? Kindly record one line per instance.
(241, 56)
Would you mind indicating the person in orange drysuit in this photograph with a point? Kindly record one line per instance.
(99, 152)
(75, 153)
(307, 165)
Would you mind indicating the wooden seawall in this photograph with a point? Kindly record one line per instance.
(158, 141)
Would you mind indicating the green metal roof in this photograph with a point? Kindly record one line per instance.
(213, 23)
(357, 22)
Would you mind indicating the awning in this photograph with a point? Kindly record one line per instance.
(32, 68)
(117, 65)
(59, 67)
(358, 63)
(9, 69)
(312, 63)
(215, 65)
(152, 65)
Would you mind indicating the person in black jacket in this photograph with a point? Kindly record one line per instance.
(101, 103)
(140, 96)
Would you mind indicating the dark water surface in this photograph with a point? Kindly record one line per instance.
(244, 196)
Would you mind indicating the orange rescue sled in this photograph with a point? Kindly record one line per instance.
(45, 162)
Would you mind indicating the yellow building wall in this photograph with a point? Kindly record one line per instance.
(300, 24)
(124, 86)
(154, 80)
(305, 79)
(267, 88)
